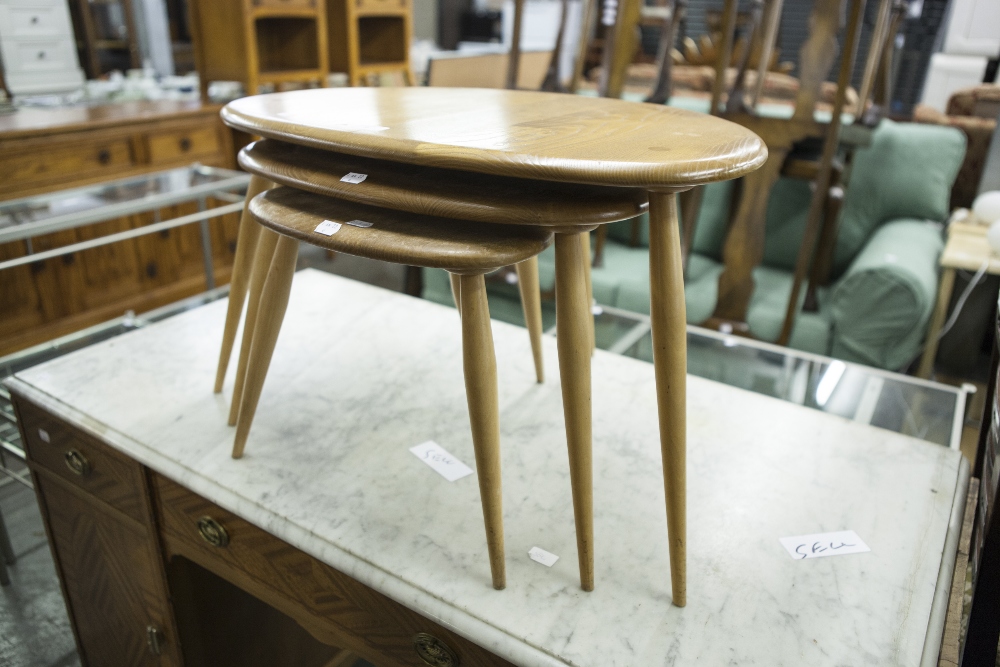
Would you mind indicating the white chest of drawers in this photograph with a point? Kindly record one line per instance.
(37, 47)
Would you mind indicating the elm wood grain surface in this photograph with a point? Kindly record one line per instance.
(532, 135)
(448, 193)
(463, 248)
(525, 134)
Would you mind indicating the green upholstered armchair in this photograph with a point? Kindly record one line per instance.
(876, 309)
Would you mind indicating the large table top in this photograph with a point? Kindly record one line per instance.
(546, 136)
(362, 374)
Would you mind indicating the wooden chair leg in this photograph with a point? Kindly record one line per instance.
(246, 245)
(270, 313)
(531, 303)
(266, 243)
(479, 360)
(667, 315)
(456, 292)
(573, 337)
(585, 244)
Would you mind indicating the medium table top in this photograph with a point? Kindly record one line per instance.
(361, 374)
(447, 192)
(526, 134)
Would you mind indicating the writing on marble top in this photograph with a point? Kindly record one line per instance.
(821, 545)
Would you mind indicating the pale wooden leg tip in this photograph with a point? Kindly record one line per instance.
(237, 455)
(588, 587)
(231, 421)
(680, 600)
(501, 584)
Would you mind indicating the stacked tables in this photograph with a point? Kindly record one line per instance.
(546, 139)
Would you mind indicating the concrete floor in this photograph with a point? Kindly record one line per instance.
(34, 628)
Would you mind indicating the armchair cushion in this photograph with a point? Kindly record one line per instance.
(882, 303)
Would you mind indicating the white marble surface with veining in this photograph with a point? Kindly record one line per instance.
(361, 374)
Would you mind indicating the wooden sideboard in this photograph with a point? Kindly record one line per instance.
(44, 150)
(154, 574)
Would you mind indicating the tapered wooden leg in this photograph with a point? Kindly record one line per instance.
(270, 313)
(266, 242)
(531, 303)
(456, 291)
(667, 315)
(585, 240)
(480, 365)
(573, 338)
(246, 245)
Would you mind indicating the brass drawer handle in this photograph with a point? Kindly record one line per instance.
(433, 651)
(154, 639)
(77, 462)
(212, 532)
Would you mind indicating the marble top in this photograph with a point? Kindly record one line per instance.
(361, 374)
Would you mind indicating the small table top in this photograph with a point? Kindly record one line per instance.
(394, 236)
(526, 134)
(967, 248)
(361, 374)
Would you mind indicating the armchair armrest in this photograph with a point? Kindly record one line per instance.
(882, 303)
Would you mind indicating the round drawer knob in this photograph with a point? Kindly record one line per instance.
(185, 144)
(77, 462)
(212, 532)
(433, 651)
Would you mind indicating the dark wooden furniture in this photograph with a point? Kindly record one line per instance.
(259, 42)
(983, 633)
(153, 574)
(43, 150)
(105, 35)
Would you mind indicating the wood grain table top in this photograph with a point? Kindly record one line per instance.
(34, 122)
(445, 192)
(524, 134)
(394, 236)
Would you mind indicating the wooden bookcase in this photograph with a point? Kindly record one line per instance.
(105, 36)
(259, 41)
(370, 37)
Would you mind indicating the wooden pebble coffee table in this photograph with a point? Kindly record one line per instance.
(561, 138)
(465, 249)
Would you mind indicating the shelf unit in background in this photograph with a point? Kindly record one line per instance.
(105, 36)
(370, 37)
(259, 42)
(37, 48)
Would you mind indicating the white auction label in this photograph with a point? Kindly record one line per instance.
(328, 228)
(821, 545)
(441, 461)
(542, 556)
(354, 177)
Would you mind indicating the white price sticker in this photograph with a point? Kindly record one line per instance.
(542, 556)
(354, 177)
(821, 545)
(328, 228)
(441, 461)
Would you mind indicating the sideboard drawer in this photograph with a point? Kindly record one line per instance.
(183, 145)
(39, 55)
(366, 621)
(80, 459)
(31, 167)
